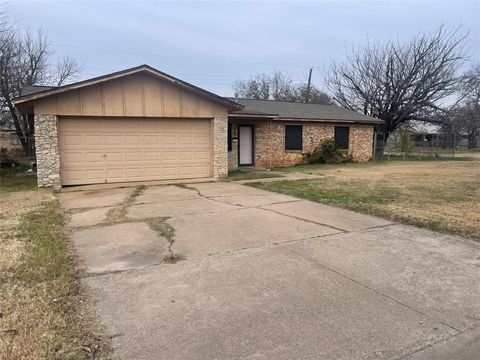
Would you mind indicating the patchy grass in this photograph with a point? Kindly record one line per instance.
(320, 168)
(16, 179)
(45, 315)
(439, 195)
(251, 174)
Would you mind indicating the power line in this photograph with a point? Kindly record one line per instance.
(175, 57)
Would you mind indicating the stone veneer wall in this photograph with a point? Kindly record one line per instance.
(46, 147)
(233, 156)
(220, 151)
(270, 142)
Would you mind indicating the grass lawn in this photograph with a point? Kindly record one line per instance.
(16, 180)
(44, 314)
(441, 194)
(249, 175)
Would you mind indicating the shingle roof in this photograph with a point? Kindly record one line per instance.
(289, 110)
(33, 89)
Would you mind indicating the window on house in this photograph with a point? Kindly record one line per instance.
(229, 137)
(293, 137)
(342, 134)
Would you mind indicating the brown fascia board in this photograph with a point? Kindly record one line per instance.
(280, 118)
(371, 122)
(230, 104)
(250, 116)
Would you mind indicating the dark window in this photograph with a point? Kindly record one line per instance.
(293, 137)
(229, 137)
(341, 136)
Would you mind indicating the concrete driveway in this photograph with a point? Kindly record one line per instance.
(268, 276)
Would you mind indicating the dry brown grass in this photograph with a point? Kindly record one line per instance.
(440, 195)
(43, 314)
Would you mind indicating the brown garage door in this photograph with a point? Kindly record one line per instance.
(106, 150)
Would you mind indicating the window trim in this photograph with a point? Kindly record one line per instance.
(229, 137)
(301, 138)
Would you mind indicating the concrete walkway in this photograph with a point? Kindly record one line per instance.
(268, 276)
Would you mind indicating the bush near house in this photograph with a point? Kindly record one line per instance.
(327, 153)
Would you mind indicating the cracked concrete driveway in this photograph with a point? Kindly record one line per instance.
(268, 276)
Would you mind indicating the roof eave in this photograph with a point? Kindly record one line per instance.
(290, 118)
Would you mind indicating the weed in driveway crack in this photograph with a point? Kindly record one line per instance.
(168, 232)
(118, 214)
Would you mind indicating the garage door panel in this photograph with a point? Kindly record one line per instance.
(99, 150)
(201, 155)
(71, 139)
(114, 139)
(94, 157)
(90, 139)
(113, 156)
(151, 139)
(72, 157)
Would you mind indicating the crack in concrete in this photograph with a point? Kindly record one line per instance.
(114, 272)
(316, 262)
(276, 203)
(118, 215)
(210, 197)
(408, 355)
(305, 220)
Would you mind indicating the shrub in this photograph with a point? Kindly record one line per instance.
(327, 153)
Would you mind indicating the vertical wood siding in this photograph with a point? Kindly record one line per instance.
(134, 95)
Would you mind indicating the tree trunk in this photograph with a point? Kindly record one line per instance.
(471, 141)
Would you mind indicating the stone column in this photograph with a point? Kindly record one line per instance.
(220, 151)
(233, 156)
(46, 148)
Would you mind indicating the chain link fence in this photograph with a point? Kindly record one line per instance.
(414, 144)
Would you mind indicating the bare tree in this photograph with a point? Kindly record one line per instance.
(257, 88)
(66, 69)
(400, 81)
(26, 59)
(278, 86)
(464, 117)
(316, 95)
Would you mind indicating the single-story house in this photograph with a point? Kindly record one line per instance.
(141, 124)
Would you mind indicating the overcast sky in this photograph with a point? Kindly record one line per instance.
(211, 44)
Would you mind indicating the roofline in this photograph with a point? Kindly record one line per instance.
(115, 75)
(279, 101)
(289, 118)
(366, 121)
(253, 115)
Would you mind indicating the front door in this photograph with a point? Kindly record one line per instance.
(245, 141)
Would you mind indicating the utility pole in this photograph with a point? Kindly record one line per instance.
(308, 85)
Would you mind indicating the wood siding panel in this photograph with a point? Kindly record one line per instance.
(189, 104)
(153, 92)
(133, 92)
(91, 100)
(134, 95)
(113, 98)
(171, 100)
(47, 106)
(206, 108)
(69, 103)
